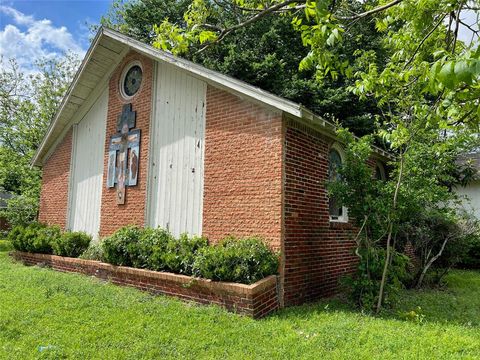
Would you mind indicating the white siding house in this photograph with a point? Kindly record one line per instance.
(470, 194)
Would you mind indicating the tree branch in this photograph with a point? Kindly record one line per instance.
(370, 12)
(423, 40)
(283, 6)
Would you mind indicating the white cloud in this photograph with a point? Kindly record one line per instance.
(27, 39)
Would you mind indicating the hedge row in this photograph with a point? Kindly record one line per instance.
(40, 238)
(237, 260)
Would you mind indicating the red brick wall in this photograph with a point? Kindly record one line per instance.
(317, 252)
(243, 169)
(55, 179)
(114, 216)
(255, 300)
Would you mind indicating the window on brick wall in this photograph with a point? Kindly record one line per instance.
(379, 171)
(336, 212)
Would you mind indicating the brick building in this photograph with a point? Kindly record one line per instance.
(145, 138)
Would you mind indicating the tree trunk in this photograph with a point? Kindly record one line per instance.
(389, 238)
(430, 262)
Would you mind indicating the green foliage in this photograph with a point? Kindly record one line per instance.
(238, 260)
(121, 248)
(21, 210)
(34, 238)
(71, 244)
(152, 248)
(414, 205)
(470, 242)
(181, 253)
(365, 284)
(27, 105)
(247, 260)
(93, 252)
(5, 245)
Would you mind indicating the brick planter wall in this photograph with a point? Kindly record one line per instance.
(255, 300)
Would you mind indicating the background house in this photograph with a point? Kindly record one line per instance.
(213, 156)
(470, 193)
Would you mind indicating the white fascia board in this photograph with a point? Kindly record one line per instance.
(36, 160)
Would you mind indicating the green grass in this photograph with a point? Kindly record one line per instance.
(74, 316)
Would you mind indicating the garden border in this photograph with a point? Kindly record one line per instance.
(255, 300)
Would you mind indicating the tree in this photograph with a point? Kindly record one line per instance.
(27, 105)
(267, 54)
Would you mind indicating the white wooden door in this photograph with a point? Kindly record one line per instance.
(177, 152)
(87, 168)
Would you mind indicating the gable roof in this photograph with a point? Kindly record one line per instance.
(107, 50)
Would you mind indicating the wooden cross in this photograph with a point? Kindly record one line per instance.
(124, 153)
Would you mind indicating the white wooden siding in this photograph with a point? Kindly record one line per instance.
(471, 197)
(177, 152)
(87, 168)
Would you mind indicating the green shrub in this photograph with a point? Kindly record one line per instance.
(34, 238)
(93, 252)
(121, 248)
(71, 244)
(363, 287)
(15, 236)
(5, 245)
(21, 210)
(180, 253)
(471, 258)
(245, 261)
(152, 248)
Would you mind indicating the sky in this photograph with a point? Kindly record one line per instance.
(32, 29)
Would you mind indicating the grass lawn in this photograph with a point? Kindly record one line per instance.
(47, 314)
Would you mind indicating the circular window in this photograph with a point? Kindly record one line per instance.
(131, 80)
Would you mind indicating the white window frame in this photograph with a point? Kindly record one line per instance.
(344, 217)
(124, 74)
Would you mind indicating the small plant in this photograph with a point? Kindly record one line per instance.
(238, 260)
(93, 252)
(71, 244)
(363, 286)
(415, 316)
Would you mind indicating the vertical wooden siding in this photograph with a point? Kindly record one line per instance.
(177, 152)
(87, 168)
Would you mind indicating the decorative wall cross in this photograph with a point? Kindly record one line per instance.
(124, 153)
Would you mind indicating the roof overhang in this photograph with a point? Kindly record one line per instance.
(106, 51)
